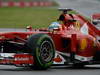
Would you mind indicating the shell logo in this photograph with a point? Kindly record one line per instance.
(83, 44)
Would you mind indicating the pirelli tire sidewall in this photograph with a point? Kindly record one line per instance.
(34, 43)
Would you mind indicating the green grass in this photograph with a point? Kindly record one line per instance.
(37, 17)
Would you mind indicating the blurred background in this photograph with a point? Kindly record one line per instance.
(40, 13)
(87, 7)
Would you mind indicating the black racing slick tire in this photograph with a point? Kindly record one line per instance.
(43, 50)
(97, 56)
(78, 65)
(95, 23)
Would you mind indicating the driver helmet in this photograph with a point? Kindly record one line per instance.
(54, 25)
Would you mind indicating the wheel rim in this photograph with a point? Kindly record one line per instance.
(46, 51)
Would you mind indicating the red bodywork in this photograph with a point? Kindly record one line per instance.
(96, 16)
(67, 39)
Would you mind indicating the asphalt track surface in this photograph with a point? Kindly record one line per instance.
(86, 7)
(11, 70)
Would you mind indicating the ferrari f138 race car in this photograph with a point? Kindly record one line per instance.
(72, 40)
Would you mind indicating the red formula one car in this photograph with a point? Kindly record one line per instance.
(70, 41)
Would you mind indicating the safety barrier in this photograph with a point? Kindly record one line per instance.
(25, 4)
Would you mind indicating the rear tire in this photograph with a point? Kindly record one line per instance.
(95, 23)
(78, 65)
(97, 56)
(43, 50)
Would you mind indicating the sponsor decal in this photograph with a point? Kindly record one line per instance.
(21, 59)
(83, 44)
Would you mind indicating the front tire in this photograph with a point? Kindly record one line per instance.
(43, 50)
